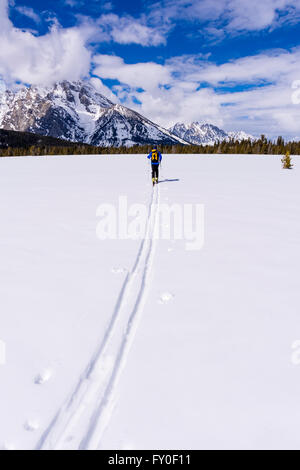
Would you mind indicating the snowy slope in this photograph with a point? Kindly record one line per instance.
(240, 135)
(122, 126)
(66, 110)
(130, 344)
(206, 134)
(76, 111)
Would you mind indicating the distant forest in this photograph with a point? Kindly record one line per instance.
(24, 144)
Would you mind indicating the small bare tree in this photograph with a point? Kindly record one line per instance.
(287, 161)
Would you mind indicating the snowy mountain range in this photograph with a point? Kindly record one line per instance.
(206, 134)
(77, 112)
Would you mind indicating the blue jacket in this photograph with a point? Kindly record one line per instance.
(159, 157)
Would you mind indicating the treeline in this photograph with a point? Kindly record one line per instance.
(24, 140)
(43, 150)
(262, 146)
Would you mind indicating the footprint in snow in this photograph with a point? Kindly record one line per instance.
(43, 377)
(165, 298)
(31, 425)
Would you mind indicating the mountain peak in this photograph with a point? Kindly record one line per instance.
(75, 110)
(205, 134)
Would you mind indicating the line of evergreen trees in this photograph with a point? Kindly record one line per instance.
(262, 146)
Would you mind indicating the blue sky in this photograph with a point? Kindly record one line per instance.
(233, 63)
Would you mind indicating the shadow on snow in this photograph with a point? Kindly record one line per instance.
(168, 180)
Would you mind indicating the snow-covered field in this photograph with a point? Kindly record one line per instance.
(130, 344)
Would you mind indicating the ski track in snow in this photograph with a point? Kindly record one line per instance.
(81, 421)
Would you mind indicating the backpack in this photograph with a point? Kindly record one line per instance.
(154, 158)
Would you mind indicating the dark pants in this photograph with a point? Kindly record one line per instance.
(155, 171)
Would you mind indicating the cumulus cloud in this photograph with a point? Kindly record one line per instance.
(231, 16)
(265, 67)
(129, 30)
(60, 54)
(29, 12)
(153, 90)
(142, 75)
(258, 15)
(190, 88)
(185, 88)
(267, 110)
(4, 21)
(103, 89)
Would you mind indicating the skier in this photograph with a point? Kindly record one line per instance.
(156, 157)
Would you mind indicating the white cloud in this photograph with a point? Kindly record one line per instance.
(106, 6)
(163, 97)
(129, 30)
(265, 67)
(4, 21)
(267, 110)
(231, 16)
(258, 15)
(170, 93)
(104, 90)
(144, 75)
(29, 12)
(60, 54)
(180, 104)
